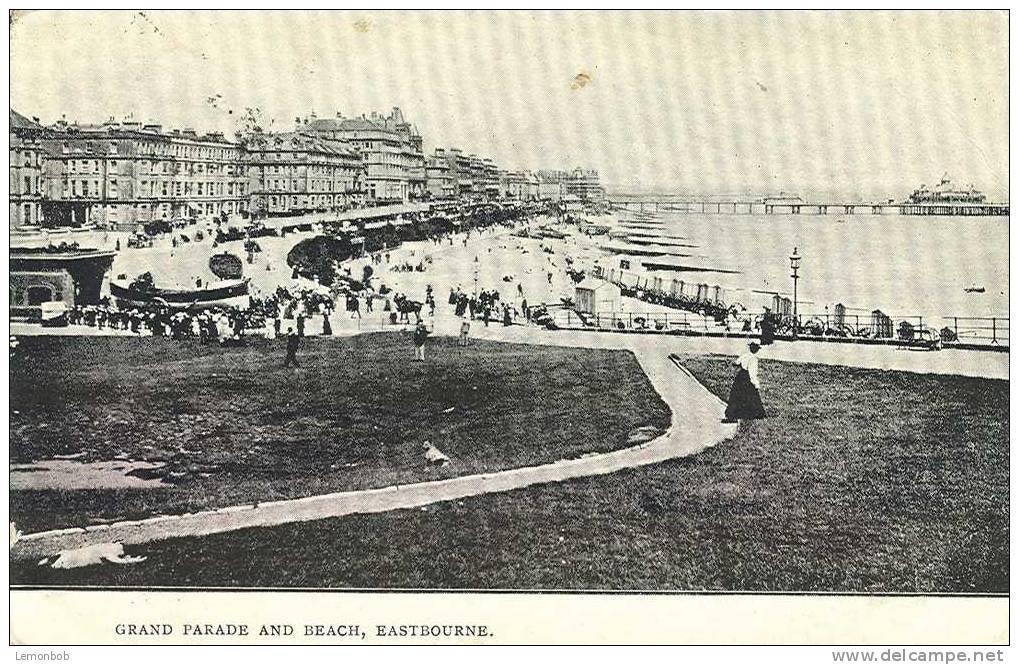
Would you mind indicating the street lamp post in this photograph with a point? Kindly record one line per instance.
(794, 263)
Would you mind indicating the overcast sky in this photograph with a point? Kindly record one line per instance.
(862, 103)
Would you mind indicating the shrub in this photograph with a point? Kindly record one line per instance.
(226, 266)
(317, 256)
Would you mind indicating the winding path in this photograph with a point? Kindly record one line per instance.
(696, 425)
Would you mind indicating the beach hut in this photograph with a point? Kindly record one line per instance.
(596, 295)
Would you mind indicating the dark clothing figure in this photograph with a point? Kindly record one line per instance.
(293, 342)
(767, 329)
(276, 326)
(300, 325)
(327, 328)
(744, 397)
(420, 335)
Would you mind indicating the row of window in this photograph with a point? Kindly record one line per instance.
(27, 158)
(155, 167)
(316, 185)
(309, 201)
(277, 169)
(172, 149)
(86, 188)
(25, 185)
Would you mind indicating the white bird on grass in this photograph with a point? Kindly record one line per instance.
(434, 456)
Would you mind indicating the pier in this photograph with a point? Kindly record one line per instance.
(786, 206)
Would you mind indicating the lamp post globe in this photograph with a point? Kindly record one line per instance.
(794, 264)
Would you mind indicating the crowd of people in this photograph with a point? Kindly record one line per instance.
(486, 305)
(224, 325)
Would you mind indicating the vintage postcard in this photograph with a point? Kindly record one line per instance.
(509, 327)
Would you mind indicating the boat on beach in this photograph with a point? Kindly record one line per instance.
(224, 293)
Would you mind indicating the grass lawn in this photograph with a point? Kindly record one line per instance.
(233, 426)
(859, 481)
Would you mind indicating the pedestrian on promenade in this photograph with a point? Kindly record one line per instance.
(744, 402)
(420, 335)
(293, 342)
(767, 328)
(465, 329)
(300, 324)
(327, 328)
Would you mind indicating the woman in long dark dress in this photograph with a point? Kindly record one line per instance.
(745, 395)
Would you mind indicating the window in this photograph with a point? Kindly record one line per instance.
(28, 185)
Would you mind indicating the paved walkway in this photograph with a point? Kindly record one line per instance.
(696, 425)
(985, 364)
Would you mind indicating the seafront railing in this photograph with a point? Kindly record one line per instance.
(978, 333)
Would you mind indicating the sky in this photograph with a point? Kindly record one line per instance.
(859, 104)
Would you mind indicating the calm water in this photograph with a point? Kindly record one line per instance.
(903, 265)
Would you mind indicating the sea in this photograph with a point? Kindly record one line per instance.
(904, 265)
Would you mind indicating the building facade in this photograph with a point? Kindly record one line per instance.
(123, 175)
(390, 148)
(584, 184)
(295, 173)
(522, 185)
(42, 275)
(26, 171)
(440, 174)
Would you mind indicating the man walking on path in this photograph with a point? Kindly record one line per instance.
(293, 342)
(465, 329)
(420, 335)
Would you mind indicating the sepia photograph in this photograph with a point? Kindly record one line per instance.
(693, 305)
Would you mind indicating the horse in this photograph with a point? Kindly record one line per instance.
(406, 307)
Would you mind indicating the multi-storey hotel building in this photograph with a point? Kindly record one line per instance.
(126, 174)
(390, 147)
(295, 173)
